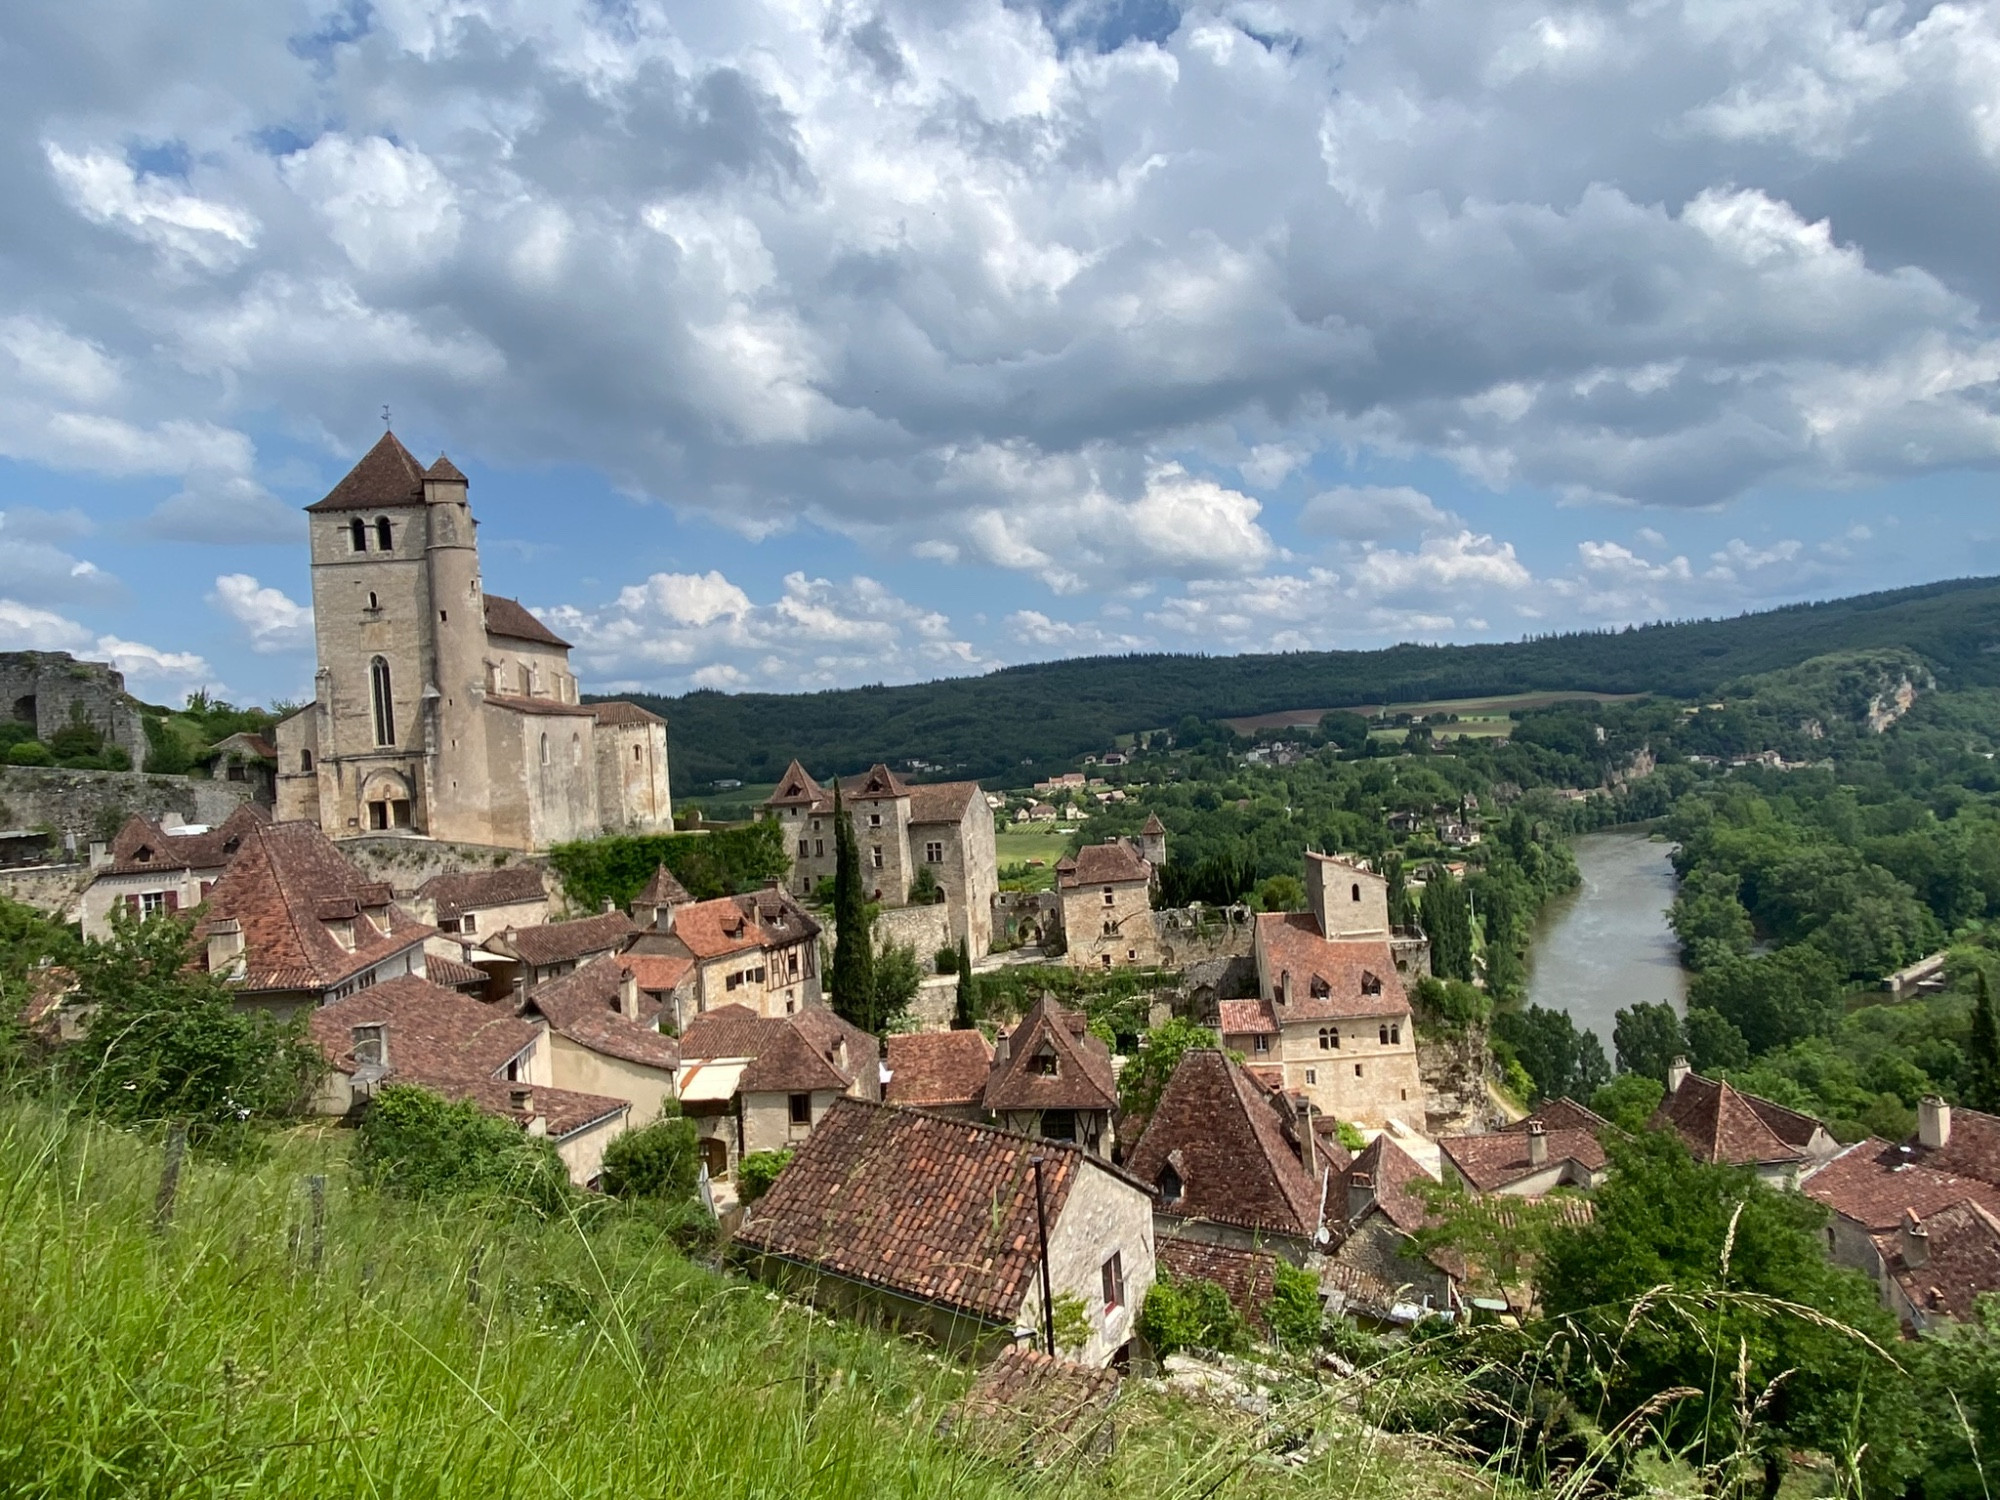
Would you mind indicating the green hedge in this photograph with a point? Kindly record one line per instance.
(720, 863)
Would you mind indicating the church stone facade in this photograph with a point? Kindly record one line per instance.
(439, 709)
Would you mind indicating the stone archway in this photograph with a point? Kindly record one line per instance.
(386, 802)
(715, 1156)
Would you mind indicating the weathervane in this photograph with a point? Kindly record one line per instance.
(385, 414)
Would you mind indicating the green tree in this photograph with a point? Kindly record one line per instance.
(756, 1172)
(1647, 1038)
(1190, 1313)
(165, 1040)
(1562, 1061)
(896, 978)
(1281, 893)
(1701, 1278)
(1293, 1314)
(422, 1146)
(1982, 1053)
(853, 976)
(1713, 1041)
(1628, 1101)
(1773, 1001)
(659, 1161)
(1447, 919)
(965, 1008)
(1144, 1078)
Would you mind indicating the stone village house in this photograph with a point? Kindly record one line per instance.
(932, 1224)
(151, 868)
(1053, 1078)
(765, 1083)
(759, 950)
(1106, 891)
(603, 1037)
(1557, 1146)
(900, 830)
(440, 709)
(1720, 1123)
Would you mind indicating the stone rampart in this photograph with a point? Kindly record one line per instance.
(52, 689)
(921, 929)
(93, 805)
(406, 862)
(55, 889)
(1190, 934)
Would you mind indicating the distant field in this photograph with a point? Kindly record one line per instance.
(1040, 842)
(750, 793)
(1497, 727)
(1496, 707)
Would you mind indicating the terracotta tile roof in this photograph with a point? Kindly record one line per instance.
(1247, 1276)
(1153, 828)
(1030, 1405)
(796, 786)
(932, 1208)
(560, 942)
(548, 708)
(1561, 1114)
(583, 1006)
(1083, 1077)
(1247, 1018)
(250, 743)
(283, 876)
(877, 781)
(1393, 1175)
(1873, 1183)
(474, 890)
(452, 974)
(506, 617)
(1961, 1260)
(1722, 1125)
(1491, 1162)
(659, 973)
(726, 1031)
(564, 1111)
(387, 476)
(143, 845)
(662, 890)
(1115, 862)
(1221, 1134)
(1330, 980)
(943, 801)
(47, 988)
(737, 924)
(787, 1063)
(445, 470)
(1972, 1150)
(938, 1068)
(617, 712)
(436, 1037)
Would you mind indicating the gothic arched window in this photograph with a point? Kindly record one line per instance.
(1329, 1038)
(385, 539)
(385, 705)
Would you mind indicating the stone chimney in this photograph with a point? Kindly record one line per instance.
(225, 945)
(521, 1099)
(1003, 1048)
(1677, 1072)
(1916, 1241)
(520, 986)
(1933, 1122)
(1538, 1144)
(628, 994)
(607, 908)
(1308, 1145)
(100, 854)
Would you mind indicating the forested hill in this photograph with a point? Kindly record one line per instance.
(1046, 715)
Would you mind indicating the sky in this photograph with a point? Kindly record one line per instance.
(794, 345)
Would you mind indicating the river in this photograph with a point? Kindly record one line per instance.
(1606, 945)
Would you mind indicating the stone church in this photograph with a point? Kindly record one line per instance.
(440, 709)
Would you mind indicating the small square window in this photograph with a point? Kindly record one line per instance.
(875, 855)
(1312, 1075)
(1114, 1282)
(1260, 1044)
(802, 1109)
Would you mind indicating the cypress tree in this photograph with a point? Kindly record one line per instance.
(853, 975)
(1448, 922)
(961, 1016)
(1984, 1051)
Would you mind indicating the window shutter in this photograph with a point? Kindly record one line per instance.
(132, 905)
(173, 900)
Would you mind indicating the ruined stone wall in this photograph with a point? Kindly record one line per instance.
(406, 863)
(1192, 934)
(95, 804)
(55, 889)
(49, 688)
(1025, 916)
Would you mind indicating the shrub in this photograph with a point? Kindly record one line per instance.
(1072, 1321)
(1451, 1004)
(945, 960)
(30, 753)
(1350, 1136)
(1191, 1314)
(422, 1146)
(658, 1162)
(1294, 1310)
(756, 1172)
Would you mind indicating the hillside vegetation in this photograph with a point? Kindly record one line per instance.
(1046, 715)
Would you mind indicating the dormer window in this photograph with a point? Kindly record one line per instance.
(1320, 988)
(1370, 984)
(1045, 1064)
(1170, 1185)
(144, 854)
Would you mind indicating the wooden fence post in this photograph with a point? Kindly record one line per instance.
(170, 1178)
(316, 1191)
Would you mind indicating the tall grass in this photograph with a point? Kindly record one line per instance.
(409, 1352)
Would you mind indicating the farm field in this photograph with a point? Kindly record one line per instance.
(1039, 842)
(1500, 707)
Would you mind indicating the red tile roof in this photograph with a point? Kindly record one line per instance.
(507, 618)
(1392, 1177)
(143, 845)
(548, 708)
(1028, 1404)
(1721, 1124)
(662, 890)
(436, 1037)
(928, 1207)
(1873, 1183)
(1083, 1076)
(737, 924)
(1329, 979)
(796, 786)
(1247, 1277)
(1152, 828)
(1961, 1260)
(560, 942)
(452, 974)
(726, 1031)
(475, 890)
(1561, 1114)
(659, 973)
(387, 476)
(444, 469)
(943, 801)
(583, 1005)
(1492, 1162)
(1115, 862)
(1221, 1133)
(1972, 1149)
(283, 876)
(617, 713)
(811, 1050)
(938, 1068)
(877, 781)
(787, 1063)
(1247, 1018)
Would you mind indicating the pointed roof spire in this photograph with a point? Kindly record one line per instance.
(445, 470)
(795, 786)
(387, 476)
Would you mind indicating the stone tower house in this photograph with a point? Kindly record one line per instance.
(440, 709)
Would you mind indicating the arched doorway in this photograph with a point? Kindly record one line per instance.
(385, 801)
(715, 1156)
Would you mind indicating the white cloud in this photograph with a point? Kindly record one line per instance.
(1373, 514)
(149, 669)
(26, 628)
(386, 205)
(191, 230)
(272, 619)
